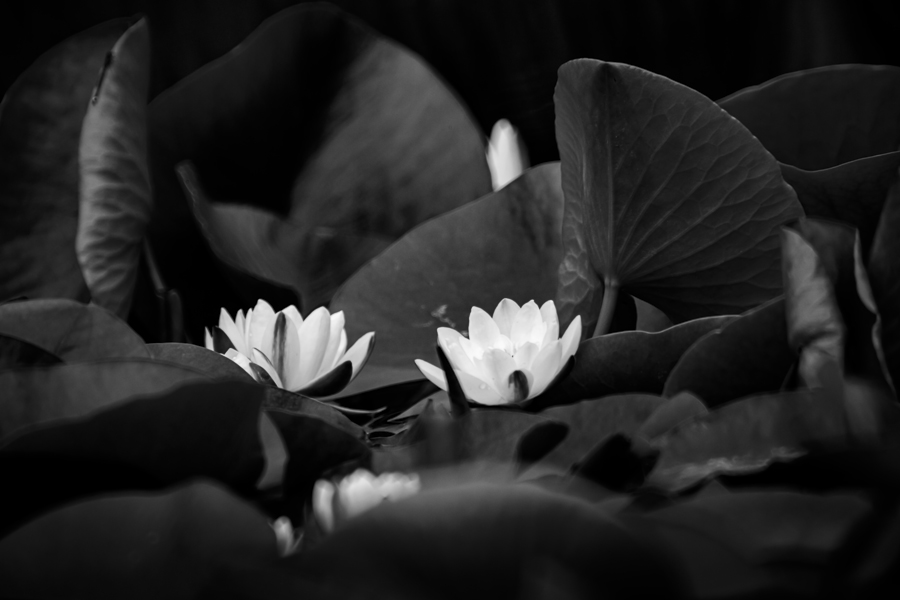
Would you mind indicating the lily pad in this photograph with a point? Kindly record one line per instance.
(319, 119)
(115, 201)
(505, 245)
(823, 117)
(629, 361)
(40, 126)
(167, 544)
(884, 278)
(73, 331)
(16, 353)
(750, 355)
(667, 198)
(211, 363)
(37, 395)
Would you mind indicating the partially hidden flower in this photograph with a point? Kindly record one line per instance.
(286, 538)
(358, 492)
(509, 357)
(308, 356)
(505, 154)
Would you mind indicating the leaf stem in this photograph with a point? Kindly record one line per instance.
(607, 307)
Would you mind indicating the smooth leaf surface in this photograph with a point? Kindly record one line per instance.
(629, 361)
(211, 363)
(73, 331)
(167, 544)
(823, 117)
(667, 198)
(505, 245)
(668, 415)
(32, 396)
(884, 278)
(744, 437)
(750, 355)
(316, 117)
(852, 193)
(16, 353)
(115, 200)
(40, 127)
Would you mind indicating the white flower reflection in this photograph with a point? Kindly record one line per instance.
(509, 357)
(357, 493)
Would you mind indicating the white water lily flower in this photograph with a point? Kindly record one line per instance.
(286, 538)
(357, 493)
(296, 354)
(505, 157)
(510, 357)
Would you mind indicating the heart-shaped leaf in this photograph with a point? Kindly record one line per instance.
(750, 355)
(35, 395)
(211, 363)
(115, 202)
(628, 361)
(168, 544)
(667, 198)
(317, 117)
(40, 127)
(884, 277)
(505, 245)
(744, 437)
(73, 331)
(820, 118)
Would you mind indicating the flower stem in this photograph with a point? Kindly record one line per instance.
(607, 307)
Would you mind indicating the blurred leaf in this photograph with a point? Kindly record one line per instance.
(75, 332)
(32, 396)
(115, 201)
(137, 545)
(749, 355)
(297, 404)
(505, 245)
(493, 535)
(211, 363)
(667, 198)
(592, 421)
(539, 441)
(16, 353)
(40, 125)
(824, 117)
(318, 118)
(815, 327)
(853, 192)
(667, 416)
(629, 361)
(745, 436)
(884, 277)
(617, 464)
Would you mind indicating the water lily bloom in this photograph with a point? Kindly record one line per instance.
(509, 357)
(308, 356)
(357, 493)
(286, 538)
(505, 156)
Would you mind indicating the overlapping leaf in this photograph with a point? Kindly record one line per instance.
(884, 277)
(40, 127)
(505, 245)
(212, 363)
(115, 200)
(667, 198)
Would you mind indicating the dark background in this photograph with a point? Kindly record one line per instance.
(501, 56)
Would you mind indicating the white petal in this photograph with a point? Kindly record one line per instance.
(432, 373)
(551, 334)
(461, 360)
(358, 493)
(571, 339)
(322, 497)
(294, 315)
(258, 320)
(472, 350)
(241, 360)
(497, 366)
(313, 340)
(263, 361)
(545, 367)
(483, 331)
(359, 353)
(207, 340)
(525, 355)
(504, 315)
(331, 356)
(479, 391)
(342, 348)
(291, 357)
(231, 330)
(504, 156)
(240, 323)
(273, 344)
(528, 325)
(548, 312)
(447, 337)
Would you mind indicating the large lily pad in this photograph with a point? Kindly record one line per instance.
(321, 120)
(667, 198)
(75, 332)
(40, 127)
(212, 363)
(823, 117)
(505, 245)
(16, 353)
(115, 200)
